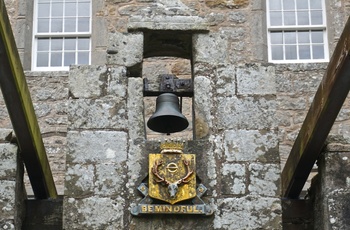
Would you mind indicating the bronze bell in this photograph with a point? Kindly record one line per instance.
(167, 118)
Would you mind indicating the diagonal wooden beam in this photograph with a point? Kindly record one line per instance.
(20, 107)
(324, 109)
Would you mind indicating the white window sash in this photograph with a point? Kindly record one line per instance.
(297, 28)
(37, 35)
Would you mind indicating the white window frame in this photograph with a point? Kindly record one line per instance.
(296, 28)
(50, 35)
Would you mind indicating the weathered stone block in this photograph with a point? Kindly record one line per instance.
(202, 105)
(292, 102)
(135, 108)
(227, 3)
(210, 48)
(248, 212)
(226, 83)
(125, 49)
(264, 179)
(215, 18)
(97, 147)
(8, 161)
(110, 179)
(246, 112)
(97, 81)
(258, 34)
(300, 81)
(137, 165)
(79, 180)
(233, 181)
(109, 112)
(104, 179)
(159, 12)
(93, 213)
(251, 146)
(237, 17)
(234, 34)
(167, 22)
(7, 199)
(255, 80)
(339, 209)
(336, 169)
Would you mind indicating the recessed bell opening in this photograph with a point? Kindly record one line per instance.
(167, 117)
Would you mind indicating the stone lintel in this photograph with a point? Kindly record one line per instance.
(184, 23)
(338, 147)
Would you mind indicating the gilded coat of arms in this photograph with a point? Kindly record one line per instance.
(172, 180)
(172, 176)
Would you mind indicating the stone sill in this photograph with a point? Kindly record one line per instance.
(46, 73)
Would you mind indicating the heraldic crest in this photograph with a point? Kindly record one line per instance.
(172, 183)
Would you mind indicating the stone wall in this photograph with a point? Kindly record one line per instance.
(246, 111)
(237, 26)
(331, 187)
(238, 154)
(107, 153)
(12, 193)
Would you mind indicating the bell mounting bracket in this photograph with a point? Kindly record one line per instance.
(169, 83)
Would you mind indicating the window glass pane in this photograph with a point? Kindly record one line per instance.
(84, 9)
(69, 58)
(289, 18)
(56, 44)
(291, 52)
(83, 58)
(277, 52)
(276, 18)
(303, 37)
(276, 38)
(70, 25)
(84, 44)
(42, 59)
(290, 38)
(304, 52)
(315, 4)
(70, 9)
(57, 9)
(317, 36)
(317, 51)
(275, 5)
(56, 25)
(56, 59)
(303, 18)
(71, 17)
(316, 17)
(69, 43)
(43, 25)
(288, 5)
(302, 4)
(83, 25)
(43, 10)
(43, 44)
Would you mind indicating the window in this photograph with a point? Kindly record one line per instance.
(62, 31)
(297, 31)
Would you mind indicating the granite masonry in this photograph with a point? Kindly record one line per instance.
(245, 113)
(12, 192)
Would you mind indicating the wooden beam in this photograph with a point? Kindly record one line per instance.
(324, 109)
(20, 107)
